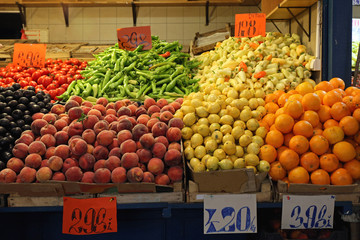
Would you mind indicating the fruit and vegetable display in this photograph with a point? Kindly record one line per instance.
(52, 79)
(161, 72)
(354, 53)
(106, 142)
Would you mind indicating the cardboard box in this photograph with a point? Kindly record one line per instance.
(230, 181)
(342, 193)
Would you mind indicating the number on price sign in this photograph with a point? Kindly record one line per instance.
(304, 212)
(130, 38)
(29, 55)
(250, 24)
(235, 213)
(89, 216)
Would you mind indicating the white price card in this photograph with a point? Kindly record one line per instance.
(305, 212)
(230, 213)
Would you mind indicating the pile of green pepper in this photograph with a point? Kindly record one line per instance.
(161, 72)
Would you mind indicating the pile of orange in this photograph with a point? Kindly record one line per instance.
(313, 134)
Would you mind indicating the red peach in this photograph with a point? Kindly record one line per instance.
(29, 132)
(58, 109)
(78, 146)
(128, 146)
(118, 175)
(74, 174)
(86, 104)
(50, 118)
(44, 174)
(103, 101)
(86, 110)
(49, 140)
(114, 126)
(176, 122)
(159, 129)
(102, 175)
(162, 179)
(138, 131)
(37, 116)
(55, 163)
(87, 161)
(58, 176)
(60, 124)
(115, 152)
(132, 120)
(76, 98)
(175, 173)
(124, 124)
(149, 102)
(175, 145)
(20, 150)
(152, 122)
(68, 163)
(118, 105)
(143, 119)
(105, 137)
(49, 152)
(65, 129)
(162, 102)
(90, 121)
(48, 129)
(7, 176)
(95, 112)
(37, 147)
(61, 137)
(62, 151)
(75, 128)
(132, 108)
(147, 140)
(37, 124)
(148, 177)
(169, 108)
(114, 144)
(100, 152)
(166, 116)
(144, 155)
(175, 105)
(140, 111)
(124, 111)
(158, 150)
(26, 175)
(155, 166)
(110, 118)
(25, 138)
(153, 109)
(155, 115)
(89, 136)
(110, 106)
(163, 140)
(15, 164)
(70, 104)
(87, 177)
(173, 134)
(172, 157)
(100, 126)
(99, 164)
(179, 100)
(112, 162)
(75, 113)
(135, 174)
(100, 108)
(129, 160)
(44, 163)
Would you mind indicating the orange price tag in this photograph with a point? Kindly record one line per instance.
(250, 24)
(130, 38)
(29, 55)
(89, 216)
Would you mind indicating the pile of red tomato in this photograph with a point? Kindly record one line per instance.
(53, 79)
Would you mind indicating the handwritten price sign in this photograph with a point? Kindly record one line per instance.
(29, 55)
(304, 212)
(250, 24)
(130, 38)
(235, 213)
(89, 216)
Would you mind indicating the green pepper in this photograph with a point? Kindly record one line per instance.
(87, 91)
(95, 89)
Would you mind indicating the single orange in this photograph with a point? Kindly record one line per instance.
(319, 144)
(311, 101)
(330, 123)
(304, 88)
(277, 172)
(349, 101)
(284, 123)
(321, 94)
(341, 177)
(329, 162)
(350, 90)
(283, 99)
(356, 114)
(317, 131)
(324, 113)
(324, 85)
(353, 168)
(271, 107)
(344, 151)
(280, 150)
(339, 110)
(295, 97)
(333, 134)
(294, 108)
(289, 159)
(320, 177)
(271, 98)
(268, 153)
(312, 117)
(279, 111)
(299, 144)
(310, 161)
(287, 138)
(337, 83)
(349, 125)
(303, 128)
(331, 98)
(269, 119)
(298, 175)
(274, 138)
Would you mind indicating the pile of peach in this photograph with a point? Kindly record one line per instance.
(101, 143)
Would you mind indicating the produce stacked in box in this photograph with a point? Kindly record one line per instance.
(222, 121)
(161, 72)
(313, 134)
(101, 143)
(53, 79)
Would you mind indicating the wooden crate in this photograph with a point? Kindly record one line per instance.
(264, 195)
(27, 201)
(62, 51)
(3, 199)
(86, 51)
(5, 59)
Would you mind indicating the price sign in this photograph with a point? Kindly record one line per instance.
(250, 24)
(89, 216)
(130, 38)
(304, 212)
(235, 213)
(29, 55)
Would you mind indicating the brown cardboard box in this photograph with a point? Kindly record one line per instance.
(342, 193)
(230, 181)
